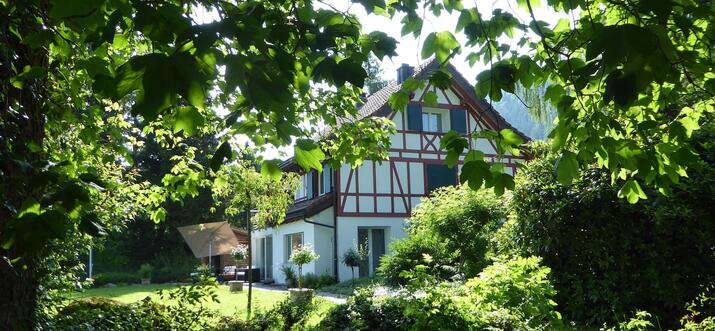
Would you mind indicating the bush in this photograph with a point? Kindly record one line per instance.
(145, 271)
(174, 267)
(315, 282)
(115, 278)
(610, 258)
(449, 233)
(285, 315)
(106, 314)
(509, 295)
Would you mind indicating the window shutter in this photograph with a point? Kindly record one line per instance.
(439, 175)
(414, 117)
(458, 120)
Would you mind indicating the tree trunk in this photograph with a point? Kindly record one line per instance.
(22, 120)
(250, 262)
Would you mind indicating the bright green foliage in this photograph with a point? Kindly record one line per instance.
(520, 287)
(608, 257)
(448, 234)
(100, 313)
(508, 295)
(242, 186)
(630, 80)
(285, 315)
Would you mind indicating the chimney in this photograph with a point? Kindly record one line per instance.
(403, 72)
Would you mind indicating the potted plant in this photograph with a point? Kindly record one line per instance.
(145, 273)
(289, 274)
(300, 257)
(355, 258)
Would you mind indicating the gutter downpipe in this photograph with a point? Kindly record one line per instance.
(335, 228)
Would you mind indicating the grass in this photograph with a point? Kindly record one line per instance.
(348, 287)
(230, 303)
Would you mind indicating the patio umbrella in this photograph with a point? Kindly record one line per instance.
(208, 239)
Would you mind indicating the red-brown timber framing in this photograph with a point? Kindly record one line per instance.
(428, 148)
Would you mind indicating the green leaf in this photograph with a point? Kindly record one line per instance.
(308, 155)
(90, 225)
(509, 141)
(567, 168)
(430, 98)
(222, 153)
(29, 206)
(271, 169)
(474, 173)
(398, 101)
(188, 119)
(440, 44)
(632, 191)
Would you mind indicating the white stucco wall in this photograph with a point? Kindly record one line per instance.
(348, 231)
(319, 236)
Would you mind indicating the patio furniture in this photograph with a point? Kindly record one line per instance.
(243, 275)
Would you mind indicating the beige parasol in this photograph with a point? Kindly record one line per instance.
(209, 239)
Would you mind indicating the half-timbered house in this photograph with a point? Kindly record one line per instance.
(341, 208)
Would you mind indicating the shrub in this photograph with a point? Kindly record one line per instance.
(288, 274)
(115, 278)
(106, 314)
(145, 271)
(610, 258)
(519, 290)
(173, 267)
(449, 233)
(317, 281)
(285, 315)
(508, 295)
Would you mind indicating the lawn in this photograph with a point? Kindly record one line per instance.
(230, 303)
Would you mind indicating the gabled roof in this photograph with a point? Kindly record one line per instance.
(378, 100)
(377, 104)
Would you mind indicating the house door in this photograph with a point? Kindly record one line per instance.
(374, 240)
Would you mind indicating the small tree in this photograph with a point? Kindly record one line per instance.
(355, 258)
(302, 255)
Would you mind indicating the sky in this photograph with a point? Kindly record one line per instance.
(409, 48)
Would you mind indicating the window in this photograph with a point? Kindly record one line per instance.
(431, 122)
(326, 180)
(439, 175)
(292, 241)
(302, 191)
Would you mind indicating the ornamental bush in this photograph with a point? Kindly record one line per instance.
(449, 233)
(610, 258)
(301, 256)
(106, 314)
(508, 295)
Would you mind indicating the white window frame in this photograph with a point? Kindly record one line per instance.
(427, 116)
(322, 188)
(289, 243)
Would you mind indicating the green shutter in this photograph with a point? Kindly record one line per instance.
(414, 117)
(458, 120)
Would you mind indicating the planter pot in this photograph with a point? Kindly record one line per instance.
(235, 285)
(146, 281)
(301, 295)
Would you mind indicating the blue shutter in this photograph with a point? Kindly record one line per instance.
(458, 120)
(414, 117)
